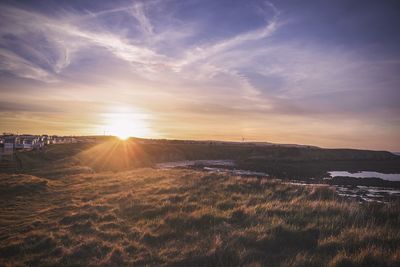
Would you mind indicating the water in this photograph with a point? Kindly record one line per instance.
(193, 163)
(367, 193)
(236, 172)
(214, 166)
(367, 174)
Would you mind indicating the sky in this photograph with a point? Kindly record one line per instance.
(323, 73)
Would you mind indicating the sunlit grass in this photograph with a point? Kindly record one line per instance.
(115, 154)
(149, 217)
(88, 204)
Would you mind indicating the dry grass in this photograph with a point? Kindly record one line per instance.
(187, 218)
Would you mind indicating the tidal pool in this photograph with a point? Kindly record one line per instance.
(193, 163)
(215, 166)
(367, 174)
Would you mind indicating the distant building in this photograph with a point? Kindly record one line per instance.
(10, 144)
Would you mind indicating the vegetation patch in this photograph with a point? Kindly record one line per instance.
(151, 217)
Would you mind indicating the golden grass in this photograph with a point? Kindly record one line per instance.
(70, 217)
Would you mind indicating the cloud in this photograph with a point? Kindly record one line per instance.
(200, 53)
(138, 11)
(64, 38)
(250, 61)
(8, 106)
(13, 63)
(69, 34)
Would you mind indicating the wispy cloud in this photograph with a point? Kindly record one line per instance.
(68, 35)
(15, 64)
(200, 53)
(138, 11)
(65, 37)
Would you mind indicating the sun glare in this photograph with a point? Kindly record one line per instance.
(125, 125)
(123, 137)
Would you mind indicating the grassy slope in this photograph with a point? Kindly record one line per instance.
(187, 218)
(115, 155)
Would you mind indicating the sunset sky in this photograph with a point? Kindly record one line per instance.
(324, 73)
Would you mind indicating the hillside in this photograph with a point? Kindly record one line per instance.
(112, 154)
(154, 217)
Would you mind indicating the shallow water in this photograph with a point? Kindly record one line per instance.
(367, 174)
(236, 172)
(362, 193)
(367, 193)
(192, 163)
(215, 166)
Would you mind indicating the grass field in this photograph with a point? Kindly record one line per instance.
(72, 216)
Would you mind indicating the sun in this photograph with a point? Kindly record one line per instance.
(123, 128)
(126, 125)
(123, 137)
